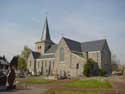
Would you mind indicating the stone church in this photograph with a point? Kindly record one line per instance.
(67, 58)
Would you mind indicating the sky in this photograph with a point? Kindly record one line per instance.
(21, 23)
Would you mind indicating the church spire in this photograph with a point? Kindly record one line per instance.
(45, 33)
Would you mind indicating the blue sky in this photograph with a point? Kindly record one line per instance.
(21, 23)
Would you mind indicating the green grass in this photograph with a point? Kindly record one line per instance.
(68, 92)
(33, 80)
(91, 83)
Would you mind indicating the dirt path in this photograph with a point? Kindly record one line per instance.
(118, 85)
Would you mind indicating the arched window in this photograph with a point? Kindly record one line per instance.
(62, 54)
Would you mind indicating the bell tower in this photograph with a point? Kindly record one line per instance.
(45, 42)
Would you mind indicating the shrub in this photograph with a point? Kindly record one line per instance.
(86, 70)
(102, 72)
(89, 68)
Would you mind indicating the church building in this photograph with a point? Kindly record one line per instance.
(67, 58)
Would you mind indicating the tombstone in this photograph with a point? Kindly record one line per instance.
(11, 79)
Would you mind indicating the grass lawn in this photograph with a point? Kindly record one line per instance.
(33, 80)
(68, 92)
(90, 83)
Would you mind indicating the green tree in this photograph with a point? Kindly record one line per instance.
(23, 59)
(102, 72)
(88, 67)
(21, 64)
(25, 53)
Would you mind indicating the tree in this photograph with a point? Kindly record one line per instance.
(25, 53)
(21, 64)
(102, 72)
(89, 68)
(86, 69)
(23, 59)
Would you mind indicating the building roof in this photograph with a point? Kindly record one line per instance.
(93, 45)
(52, 49)
(47, 56)
(3, 61)
(73, 45)
(45, 34)
(35, 54)
(96, 45)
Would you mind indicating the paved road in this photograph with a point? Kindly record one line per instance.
(31, 89)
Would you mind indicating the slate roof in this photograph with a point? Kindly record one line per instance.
(93, 45)
(3, 61)
(45, 33)
(96, 45)
(47, 56)
(35, 54)
(52, 49)
(73, 45)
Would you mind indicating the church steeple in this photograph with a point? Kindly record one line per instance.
(45, 43)
(45, 33)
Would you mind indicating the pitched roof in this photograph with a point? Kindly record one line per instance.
(52, 49)
(85, 46)
(73, 45)
(3, 61)
(35, 54)
(47, 56)
(45, 33)
(93, 45)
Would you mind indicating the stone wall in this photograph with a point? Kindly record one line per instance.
(45, 66)
(77, 65)
(68, 67)
(96, 56)
(62, 67)
(42, 46)
(106, 59)
(31, 64)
